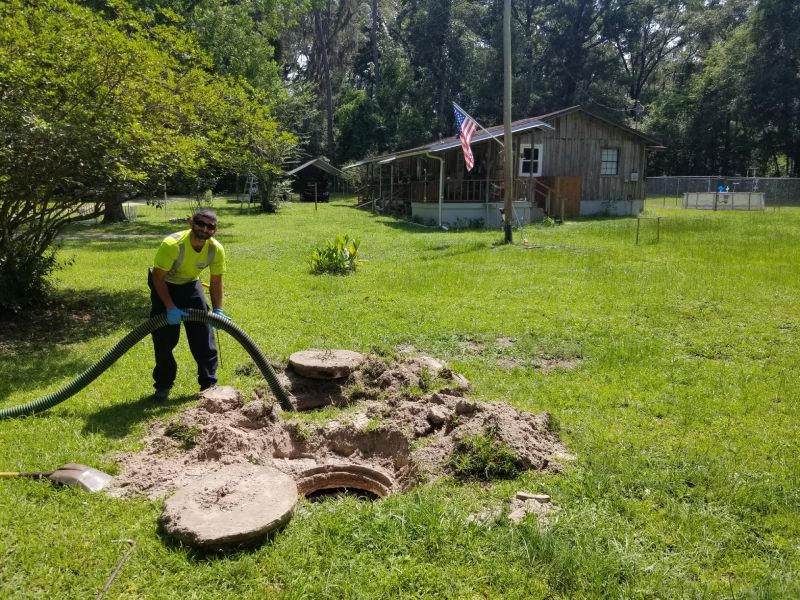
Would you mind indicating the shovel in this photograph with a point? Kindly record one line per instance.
(76, 475)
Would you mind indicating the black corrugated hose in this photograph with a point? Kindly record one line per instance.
(132, 339)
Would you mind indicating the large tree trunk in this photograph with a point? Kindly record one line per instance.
(113, 211)
(373, 38)
(326, 76)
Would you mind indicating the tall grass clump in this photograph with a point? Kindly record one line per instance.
(482, 456)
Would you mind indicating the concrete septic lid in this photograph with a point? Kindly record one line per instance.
(325, 364)
(236, 506)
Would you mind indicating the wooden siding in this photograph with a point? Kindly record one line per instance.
(574, 148)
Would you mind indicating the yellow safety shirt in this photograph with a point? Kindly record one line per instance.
(183, 263)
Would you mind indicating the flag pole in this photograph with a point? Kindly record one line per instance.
(478, 124)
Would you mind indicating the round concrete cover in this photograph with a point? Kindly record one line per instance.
(325, 364)
(236, 506)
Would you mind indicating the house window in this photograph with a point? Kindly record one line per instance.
(609, 161)
(530, 159)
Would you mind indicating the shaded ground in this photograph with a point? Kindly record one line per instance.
(74, 316)
(405, 419)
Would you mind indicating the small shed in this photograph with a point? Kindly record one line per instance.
(315, 179)
(567, 163)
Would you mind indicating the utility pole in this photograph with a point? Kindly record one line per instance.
(508, 143)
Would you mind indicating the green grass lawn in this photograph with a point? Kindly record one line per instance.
(681, 407)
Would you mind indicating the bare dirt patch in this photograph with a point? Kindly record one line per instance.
(505, 342)
(405, 420)
(472, 346)
(546, 364)
(557, 362)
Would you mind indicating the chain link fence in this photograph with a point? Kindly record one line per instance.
(778, 191)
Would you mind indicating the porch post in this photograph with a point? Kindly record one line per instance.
(531, 186)
(372, 180)
(489, 166)
(441, 188)
(441, 182)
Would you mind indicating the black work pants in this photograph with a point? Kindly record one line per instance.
(200, 336)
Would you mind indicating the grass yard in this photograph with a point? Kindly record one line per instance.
(675, 383)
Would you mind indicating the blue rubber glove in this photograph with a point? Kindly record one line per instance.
(174, 315)
(219, 313)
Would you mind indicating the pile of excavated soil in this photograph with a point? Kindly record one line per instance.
(404, 419)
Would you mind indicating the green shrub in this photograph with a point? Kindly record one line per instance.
(484, 457)
(24, 277)
(337, 257)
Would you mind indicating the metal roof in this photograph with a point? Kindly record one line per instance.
(496, 131)
(321, 163)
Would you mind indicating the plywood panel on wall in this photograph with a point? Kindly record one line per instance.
(568, 188)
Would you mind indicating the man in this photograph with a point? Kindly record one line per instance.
(174, 286)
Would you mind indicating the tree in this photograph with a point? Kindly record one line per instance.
(728, 102)
(93, 110)
(436, 39)
(644, 34)
(772, 85)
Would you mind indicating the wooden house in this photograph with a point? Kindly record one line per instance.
(568, 163)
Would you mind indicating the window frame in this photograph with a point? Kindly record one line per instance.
(604, 162)
(522, 160)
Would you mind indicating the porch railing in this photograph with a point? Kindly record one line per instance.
(396, 196)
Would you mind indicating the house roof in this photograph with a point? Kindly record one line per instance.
(527, 124)
(321, 163)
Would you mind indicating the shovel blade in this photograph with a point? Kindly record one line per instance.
(87, 478)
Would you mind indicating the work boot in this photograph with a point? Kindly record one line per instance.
(160, 395)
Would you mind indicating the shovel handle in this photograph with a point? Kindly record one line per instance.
(34, 474)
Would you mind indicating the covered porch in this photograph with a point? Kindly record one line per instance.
(437, 189)
(431, 184)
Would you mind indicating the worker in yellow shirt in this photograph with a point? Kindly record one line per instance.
(175, 285)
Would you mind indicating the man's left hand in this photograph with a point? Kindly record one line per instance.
(219, 313)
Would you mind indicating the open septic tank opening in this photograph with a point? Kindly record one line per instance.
(332, 493)
(338, 479)
(400, 424)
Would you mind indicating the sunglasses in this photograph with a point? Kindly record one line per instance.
(204, 224)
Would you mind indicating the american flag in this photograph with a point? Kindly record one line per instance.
(466, 129)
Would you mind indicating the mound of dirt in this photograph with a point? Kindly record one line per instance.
(405, 419)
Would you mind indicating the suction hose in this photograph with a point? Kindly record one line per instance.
(131, 340)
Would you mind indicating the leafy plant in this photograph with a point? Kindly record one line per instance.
(337, 257)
